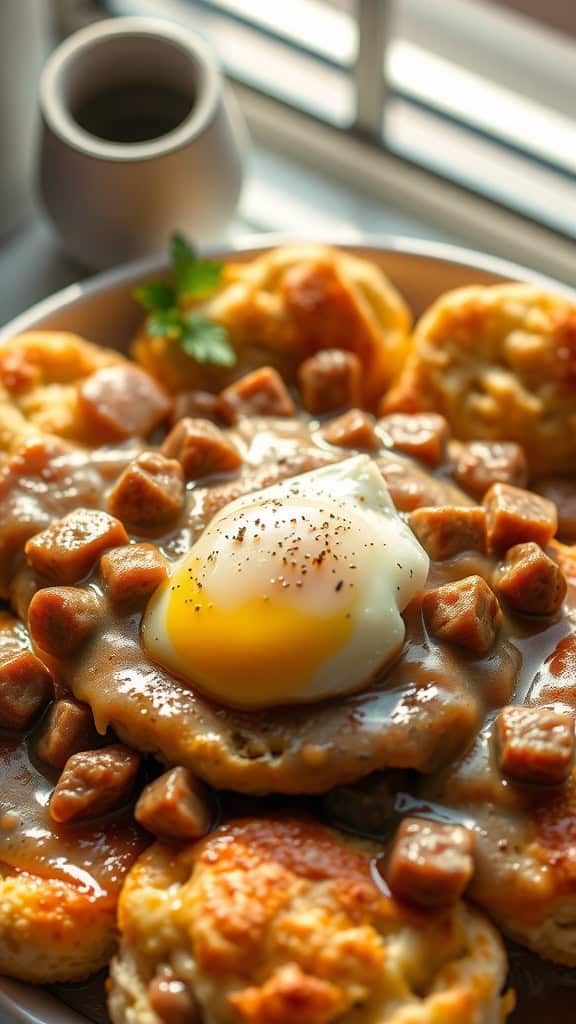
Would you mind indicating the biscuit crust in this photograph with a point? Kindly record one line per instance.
(499, 362)
(39, 376)
(50, 930)
(273, 920)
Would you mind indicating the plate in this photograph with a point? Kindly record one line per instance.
(102, 309)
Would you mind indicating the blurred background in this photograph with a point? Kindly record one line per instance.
(444, 119)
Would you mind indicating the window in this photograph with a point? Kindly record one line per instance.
(479, 93)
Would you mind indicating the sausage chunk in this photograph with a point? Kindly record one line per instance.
(354, 429)
(66, 551)
(431, 863)
(515, 515)
(94, 782)
(411, 486)
(476, 465)
(132, 572)
(67, 728)
(530, 581)
(61, 619)
(149, 493)
(174, 806)
(122, 401)
(195, 404)
(25, 688)
(464, 613)
(535, 744)
(260, 393)
(201, 448)
(421, 435)
(330, 380)
(172, 999)
(447, 530)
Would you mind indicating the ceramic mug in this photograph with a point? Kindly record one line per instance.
(139, 138)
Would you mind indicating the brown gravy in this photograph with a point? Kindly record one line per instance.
(94, 858)
(432, 703)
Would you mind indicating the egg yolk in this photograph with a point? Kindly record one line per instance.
(263, 647)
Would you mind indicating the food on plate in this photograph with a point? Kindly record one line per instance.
(306, 580)
(414, 712)
(279, 309)
(227, 571)
(499, 362)
(59, 883)
(148, 656)
(282, 919)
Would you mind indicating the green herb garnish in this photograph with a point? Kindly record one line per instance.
(202, 339)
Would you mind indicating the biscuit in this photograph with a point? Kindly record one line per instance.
(39, 374)
(286, 304)
(499, 362)
(282, 920)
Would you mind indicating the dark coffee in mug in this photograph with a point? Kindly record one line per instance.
(133, 112)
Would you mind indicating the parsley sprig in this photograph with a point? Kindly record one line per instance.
(202, 339)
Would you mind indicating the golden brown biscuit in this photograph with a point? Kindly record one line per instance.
(500, 363)
(58, 884)
(273, 921)
(39, 373)
(286, 304)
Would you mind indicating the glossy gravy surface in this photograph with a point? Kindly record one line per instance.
(421, 713)
(93, 858)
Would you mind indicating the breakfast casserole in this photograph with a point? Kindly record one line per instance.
(288, 648)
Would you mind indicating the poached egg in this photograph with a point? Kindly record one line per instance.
(292, 594)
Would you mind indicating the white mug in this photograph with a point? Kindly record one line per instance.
(139, 139)
(24, 44)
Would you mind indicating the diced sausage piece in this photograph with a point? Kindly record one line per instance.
(431, 863)
(149, 493)
(422, 435)
(61, 619)
(355, 429)
(174, 806)
(67, 728)
(25, 687)
(260, 393)
(515, 515)
(464, 613)
(411, 486)
(201, 448)
(66, 551)
(479, 464)
(448, 529)
(94, 782)
(132, 572)
(172, 999)
(195, 404)
(121, 401)
(535, 744)
(530, 581)
(330, 380)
